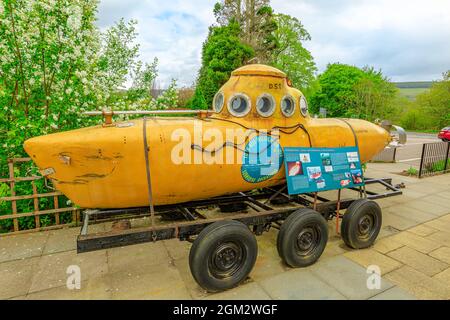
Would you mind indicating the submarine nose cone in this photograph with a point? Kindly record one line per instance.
(35, 147)
(40, 149)
(31, 145)
(387, 136)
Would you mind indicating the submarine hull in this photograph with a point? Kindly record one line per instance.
(105, 167)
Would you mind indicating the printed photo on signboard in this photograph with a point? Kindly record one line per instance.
(345, 182)
(357, 176)
(352, 156)
(328, 168)
(352, 165)
(321, 184)
(295, 168)
(314, 173)
(326, 159)
(305, 157)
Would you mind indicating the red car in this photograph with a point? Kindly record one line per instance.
(444, 135)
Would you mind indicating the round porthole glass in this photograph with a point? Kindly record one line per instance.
(288, 106)
(239, 105)
(218, 102)
(265, 105)
(303, 106)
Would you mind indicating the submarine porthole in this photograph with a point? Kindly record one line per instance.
(265, 105)
(288, 106)
(303, 106)
(239, 105)
(218, 102)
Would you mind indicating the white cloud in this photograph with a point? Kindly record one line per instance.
(173, 31)
(407, 39)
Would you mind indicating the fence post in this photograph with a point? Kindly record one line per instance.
(36, 205)
(446, 157)
(56, 206)
(421, 160)
(12, 186)
(12, 179)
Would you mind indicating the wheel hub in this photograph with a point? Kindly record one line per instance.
(226, 259)
(365, 225)
(307, 240)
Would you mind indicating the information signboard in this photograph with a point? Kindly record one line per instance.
(322, 169)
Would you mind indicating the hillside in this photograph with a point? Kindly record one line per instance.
(410, 90)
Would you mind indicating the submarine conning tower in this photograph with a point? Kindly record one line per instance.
(262, 93)
(262, 97)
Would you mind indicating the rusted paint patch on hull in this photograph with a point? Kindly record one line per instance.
(75, 182)
(92, 175)
(96, 175)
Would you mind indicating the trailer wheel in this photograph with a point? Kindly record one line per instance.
(361, 224)
(223, 255)
(302, 238)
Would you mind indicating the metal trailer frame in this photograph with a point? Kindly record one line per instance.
(264, 217)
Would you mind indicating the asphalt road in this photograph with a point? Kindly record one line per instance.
(412, 151)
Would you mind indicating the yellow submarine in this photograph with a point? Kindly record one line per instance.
(106, 166)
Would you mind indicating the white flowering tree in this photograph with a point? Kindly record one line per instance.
(48, 75)
(118, 56)
(143, 79)
(48, 68)
(54, 65)
(169, 98)
(119, 64)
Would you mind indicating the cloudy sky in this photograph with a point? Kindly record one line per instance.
(407, 39)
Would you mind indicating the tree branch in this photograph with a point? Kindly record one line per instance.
(19, 54)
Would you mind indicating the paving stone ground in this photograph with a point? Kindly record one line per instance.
(412, 253)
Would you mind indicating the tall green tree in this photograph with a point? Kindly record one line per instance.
(222, 53)
(198, 100)
(413, 118)
(336, 89)
(435, 104)
(256, 21)
(291, 56)
(348, 91)
(253, 30)
(375, 97)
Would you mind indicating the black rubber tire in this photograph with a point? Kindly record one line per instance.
(229, 237)
(361, 224)
(305, 223)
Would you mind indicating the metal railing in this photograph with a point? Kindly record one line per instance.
(435, 159)
(387, 155)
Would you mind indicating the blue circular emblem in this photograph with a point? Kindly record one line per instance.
(262, 158)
